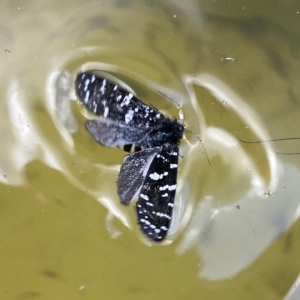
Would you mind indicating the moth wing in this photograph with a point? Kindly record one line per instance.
(111, 134)
(107, 99)
(156, 200)
(132, 173)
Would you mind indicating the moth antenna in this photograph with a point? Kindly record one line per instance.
(285, 153)
(271, 140)
(199, 139)
(178, 105)
(181, 118)
(274, 140)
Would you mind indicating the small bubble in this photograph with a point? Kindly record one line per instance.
(267, 193)
(228, 59)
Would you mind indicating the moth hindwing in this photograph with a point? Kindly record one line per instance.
(149, 174)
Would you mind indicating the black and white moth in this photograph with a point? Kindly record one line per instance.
(150, 173)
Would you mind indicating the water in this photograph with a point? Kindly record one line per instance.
(232, 67)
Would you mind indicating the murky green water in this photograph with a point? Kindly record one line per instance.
(234, 69)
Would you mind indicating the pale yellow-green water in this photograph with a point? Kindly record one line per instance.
(233, 67)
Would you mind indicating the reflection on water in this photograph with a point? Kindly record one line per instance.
(235, 75)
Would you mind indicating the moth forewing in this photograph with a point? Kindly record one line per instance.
(157, 195)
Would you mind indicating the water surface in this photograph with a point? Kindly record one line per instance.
(233, 68)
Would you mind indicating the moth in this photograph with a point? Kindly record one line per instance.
(150, 173)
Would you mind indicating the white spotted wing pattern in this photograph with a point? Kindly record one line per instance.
(149, 174)
(157, 194)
